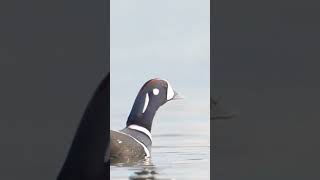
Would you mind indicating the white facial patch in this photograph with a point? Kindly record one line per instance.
(146, 102)
(155, 91)
(170, 92)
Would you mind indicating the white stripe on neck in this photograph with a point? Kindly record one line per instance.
(141, 129)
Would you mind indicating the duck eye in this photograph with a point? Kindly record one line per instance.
(155, 91)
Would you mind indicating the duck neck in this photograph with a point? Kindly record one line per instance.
(142, 113)
(144, 120)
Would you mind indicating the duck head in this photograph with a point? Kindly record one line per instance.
(153, 94)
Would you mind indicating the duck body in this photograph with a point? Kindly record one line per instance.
(124, 148)
(129, 145)
(134, 142)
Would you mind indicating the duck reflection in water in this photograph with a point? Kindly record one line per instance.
(143, 170)
(148, 172)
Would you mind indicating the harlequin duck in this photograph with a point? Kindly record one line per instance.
(134, 142)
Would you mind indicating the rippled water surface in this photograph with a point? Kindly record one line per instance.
(181, 150)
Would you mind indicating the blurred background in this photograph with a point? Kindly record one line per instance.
(53, 55)
(266, 71)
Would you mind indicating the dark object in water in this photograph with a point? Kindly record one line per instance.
(86, 157)
(218, 112)
(134, 142)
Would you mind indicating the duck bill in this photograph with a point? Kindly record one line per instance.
(177, 96)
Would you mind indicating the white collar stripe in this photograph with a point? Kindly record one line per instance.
(146, 150)
(141, 129)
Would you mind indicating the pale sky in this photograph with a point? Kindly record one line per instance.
(168, 39)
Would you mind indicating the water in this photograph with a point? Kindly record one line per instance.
(177, 153)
